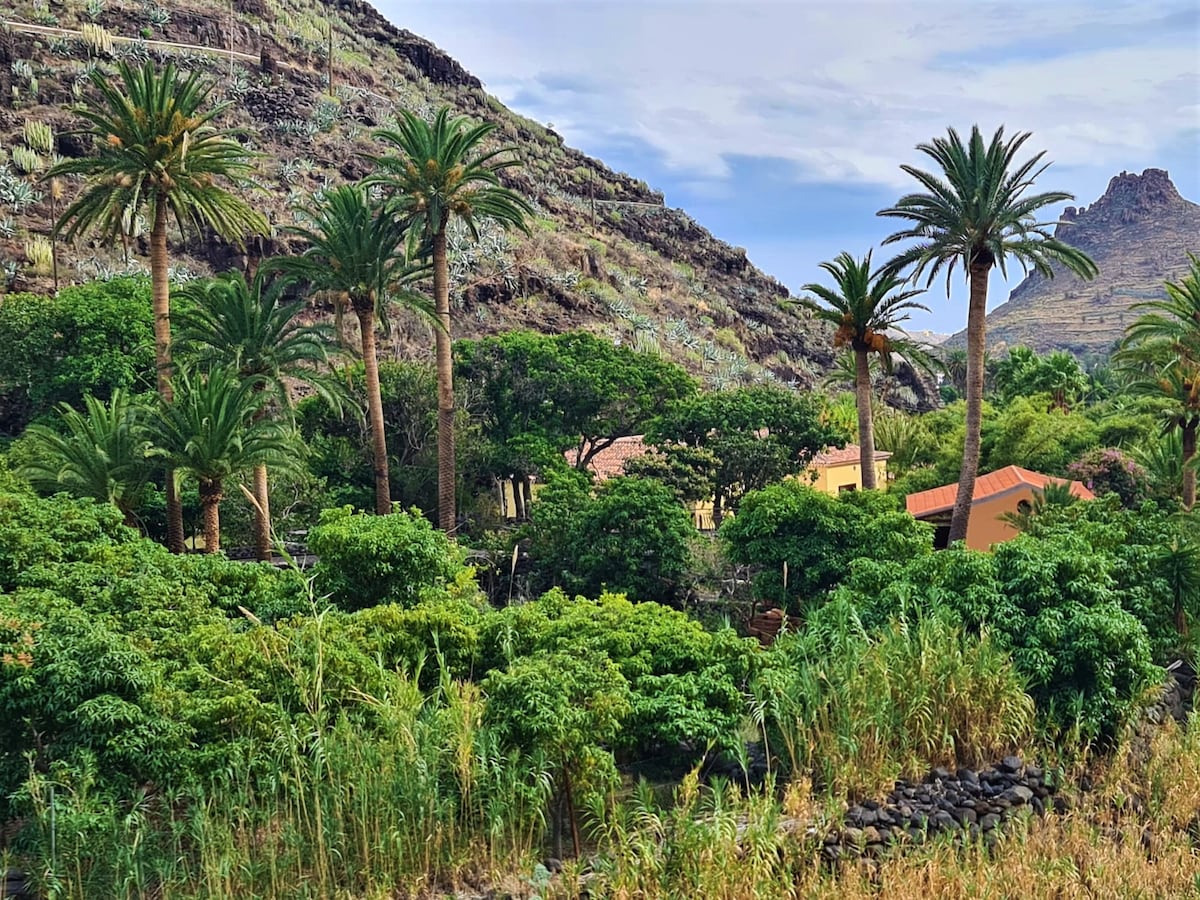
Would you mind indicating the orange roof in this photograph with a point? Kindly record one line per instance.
(1010, 478)
(832, 456)
(610, 461)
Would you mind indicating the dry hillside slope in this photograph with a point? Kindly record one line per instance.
(605, 253)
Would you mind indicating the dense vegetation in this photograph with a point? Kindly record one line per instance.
(426, 706)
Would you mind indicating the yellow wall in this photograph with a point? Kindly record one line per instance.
(830, 479)
(987, 527)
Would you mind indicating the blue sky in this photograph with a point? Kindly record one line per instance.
(780, 126)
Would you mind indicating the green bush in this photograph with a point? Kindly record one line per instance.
(632, 536)
(1051, 602)
(816, 536)
(369, 560)
(686, 683)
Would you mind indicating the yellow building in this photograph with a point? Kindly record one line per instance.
(835, 471)
(1010, 490)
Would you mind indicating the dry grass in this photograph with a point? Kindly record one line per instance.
(1136, 834)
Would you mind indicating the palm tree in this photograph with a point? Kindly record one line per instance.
(249, 328)
(976, 212)
(157, 147)
(439, 173)
(864, 305)
(1161, 352)
(356, 255)
(102, 454)
(211, 429)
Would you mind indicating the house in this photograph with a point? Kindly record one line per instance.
(1011, 490)
(834, 471)
(610, 462)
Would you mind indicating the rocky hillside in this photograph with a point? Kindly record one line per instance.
(1139, 233)
(605, 253)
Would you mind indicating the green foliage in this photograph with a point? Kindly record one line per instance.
(1028, 434)
(369, 560)
(1024, 374)
(631, 536)
(758, 434)
(858, 710)
(685, 682)
(90, 339)
(815, 536)
(540, 395)
(1051, 601)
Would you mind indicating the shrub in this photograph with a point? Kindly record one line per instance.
(816, 536)
(632, 537)
(857, 710)
(1106, 470)
(369, 560)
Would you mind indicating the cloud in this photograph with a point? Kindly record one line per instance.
(842, 90)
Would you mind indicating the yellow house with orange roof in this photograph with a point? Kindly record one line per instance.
(1006, 491)
(835, 471)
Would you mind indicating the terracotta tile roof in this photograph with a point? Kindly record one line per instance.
(940, 499)
(832, 456)
(610, 461)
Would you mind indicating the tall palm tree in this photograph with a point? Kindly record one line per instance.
(975, 211)
(1161, 353)
(211, 430)
(102, 454)
(157, 147)
(356, 255)
(864, 305)
(439, 172)
(251, 329)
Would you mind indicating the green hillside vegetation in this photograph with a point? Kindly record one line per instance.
(564, 697)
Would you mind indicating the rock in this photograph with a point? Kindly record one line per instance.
(965, 816)
(940, 773)
(553, 864)
(941, 821)
(871, 835)
(967, 777)
(988, 822)
(1018, 794)
(1011, 764)
(852, 837)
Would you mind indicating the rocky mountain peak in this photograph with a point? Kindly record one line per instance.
(1129, 197)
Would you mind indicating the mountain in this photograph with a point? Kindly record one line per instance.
(1139, 233)
(605, 253)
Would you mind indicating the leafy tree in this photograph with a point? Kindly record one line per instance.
(355, 255)
(759, 434)
(157, 146)
(975, 211)
(632, 536)
(1036, 436)
(249, 328)
(212, 431)
(1023, 373)
(1160, 357)
(102, 455)
(88, 339)
(802, 541)
(366, 561)
(566, 707)
(1179, 566)
(438, 173)
(540, 395)
(864, 306)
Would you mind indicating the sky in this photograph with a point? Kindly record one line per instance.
(781, 126)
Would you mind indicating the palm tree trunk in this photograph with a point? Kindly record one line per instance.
(866, 424)
(976, 336)
(161, 301)
(445, 386)
(262, 514)
(1189, 472)
(211, 494)
(383, 488)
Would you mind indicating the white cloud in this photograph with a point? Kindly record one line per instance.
(842, 90)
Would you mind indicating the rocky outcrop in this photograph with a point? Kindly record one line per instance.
(969, 804)
(1139, 233)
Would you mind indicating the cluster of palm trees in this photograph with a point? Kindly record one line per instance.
(158, 150)
(974, 209)
(1160, 358)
